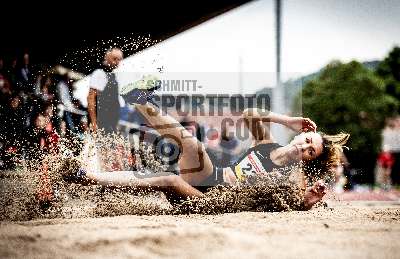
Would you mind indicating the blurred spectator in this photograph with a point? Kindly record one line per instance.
(45, 92)
(38, 84)
(11, 72)
(27, 111)
(41, 137)
(384, 168)
(13, 119)
(24, 75)
(103, 99)
(5, 86)
(391, 142)
(64, 92)
(11, 129)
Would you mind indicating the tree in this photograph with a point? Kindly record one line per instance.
(389, 70)
(349, 98)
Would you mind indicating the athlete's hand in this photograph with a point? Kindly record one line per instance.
(314, 194)
(301, 124)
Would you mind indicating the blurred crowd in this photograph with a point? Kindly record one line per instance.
(36, 109)
(387, 170)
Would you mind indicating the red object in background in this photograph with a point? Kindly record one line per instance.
(386, 159)
(50, 142)
(44, 192)
(53, 141)
(53, 137)
(12, 149)
(131, 160)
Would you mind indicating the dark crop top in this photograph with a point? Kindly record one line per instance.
(256, 160)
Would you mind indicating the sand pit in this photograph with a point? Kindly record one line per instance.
(342, 230)
(95, 222)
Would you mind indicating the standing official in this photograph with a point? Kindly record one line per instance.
(103, 98)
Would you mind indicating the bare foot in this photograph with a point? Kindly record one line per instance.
(314, 194)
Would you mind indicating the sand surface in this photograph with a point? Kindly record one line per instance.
(342, 230)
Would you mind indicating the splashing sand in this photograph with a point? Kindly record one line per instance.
(39, 190)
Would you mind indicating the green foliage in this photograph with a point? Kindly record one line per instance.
(348, 98)
(389, 70)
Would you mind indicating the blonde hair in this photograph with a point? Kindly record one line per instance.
(332, 152)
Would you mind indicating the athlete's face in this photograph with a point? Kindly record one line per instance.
(306, 146)
(113, 58)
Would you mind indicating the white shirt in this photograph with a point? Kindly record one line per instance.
(98, 81)
(391, 139)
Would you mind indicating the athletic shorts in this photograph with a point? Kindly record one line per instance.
(216, 178)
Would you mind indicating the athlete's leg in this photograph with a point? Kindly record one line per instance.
(172, 185)
(194, 163)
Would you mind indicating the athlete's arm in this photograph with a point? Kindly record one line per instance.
(92, 108)
(255, 123)
(255, 119)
